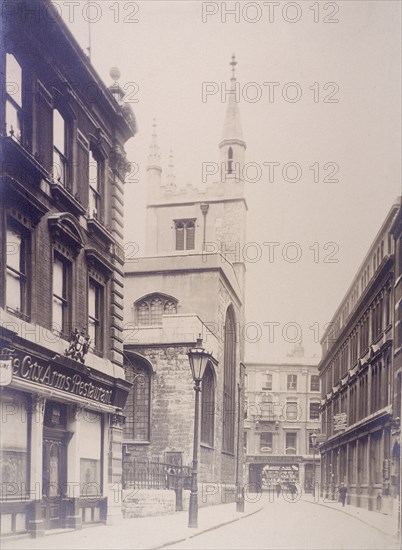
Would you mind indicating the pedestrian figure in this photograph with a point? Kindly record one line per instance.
(278, 489)
(292, 490)
(342, 493)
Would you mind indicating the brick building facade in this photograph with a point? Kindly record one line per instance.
(361, 381)
(61, 232)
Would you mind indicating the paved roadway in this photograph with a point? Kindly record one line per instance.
(298, 525)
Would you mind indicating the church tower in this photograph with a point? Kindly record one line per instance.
(190, 285)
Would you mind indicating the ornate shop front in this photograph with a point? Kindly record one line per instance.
(59, 420)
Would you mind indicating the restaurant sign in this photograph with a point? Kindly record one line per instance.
(59, 375)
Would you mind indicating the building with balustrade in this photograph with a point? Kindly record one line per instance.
(62, 382)
(282, 411)
(360, 374)
(190, 284)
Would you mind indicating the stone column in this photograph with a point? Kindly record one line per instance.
(73, 517)
(35, 521)
(115, 470)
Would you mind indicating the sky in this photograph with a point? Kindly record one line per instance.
(331, 120)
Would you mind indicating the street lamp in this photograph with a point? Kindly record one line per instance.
(198, 359)
(313, 437)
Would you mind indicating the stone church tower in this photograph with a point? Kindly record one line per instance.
(190, 283)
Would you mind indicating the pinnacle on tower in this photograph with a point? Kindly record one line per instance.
(171, 178)
(154, 156)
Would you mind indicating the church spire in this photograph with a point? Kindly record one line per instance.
(154, 156)
(232, 128)
(232, 146)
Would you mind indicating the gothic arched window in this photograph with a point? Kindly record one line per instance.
(138, 404)
(229, 382)
(230, 160)
(208, 406)
(149, 310)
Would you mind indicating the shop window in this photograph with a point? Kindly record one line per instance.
(229, 378)
(266, 442)
(208, 407)
(314, 411)
(95, 315)
(137, 409)
(292, 382)
(14, 441)
(13, 97)
(17, 247)
(315, 382)
(185, 234)
(291, 443)
(149, 310)
(90, 450)
(61, 296)
(59, 148)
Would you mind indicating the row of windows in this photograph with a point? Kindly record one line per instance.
(357, 291)
(291, 382)
(290, 446)
(364, 396)
(353, 462)
(370, 327)
(138, 405)
(270, 410)
(18, 287)
(55, 139)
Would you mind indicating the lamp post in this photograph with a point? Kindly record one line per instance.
(239, 490)
(198, 359)
(313, 437)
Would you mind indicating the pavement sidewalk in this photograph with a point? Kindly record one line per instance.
(387, 525)
(149, 533)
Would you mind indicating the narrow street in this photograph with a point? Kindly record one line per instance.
(299, 525)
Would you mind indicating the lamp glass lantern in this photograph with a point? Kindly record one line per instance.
(198, 359)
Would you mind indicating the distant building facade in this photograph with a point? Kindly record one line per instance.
(61, 278)
(282, 410)
(361, 379)
(189, 285)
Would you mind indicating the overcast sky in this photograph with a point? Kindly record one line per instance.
(167, 55)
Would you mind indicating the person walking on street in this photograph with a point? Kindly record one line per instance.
(342, 493)
(278, 489)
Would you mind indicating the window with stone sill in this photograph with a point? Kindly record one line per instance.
(185, 234)
(266, 442)
(315, 382)
(149, 310)
(95, 315)
(13, 98)
(314, 411)
(291, 443)
(59, 148)
(17, 269)
(61, 302)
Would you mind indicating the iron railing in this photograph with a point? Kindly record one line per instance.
(148, 474)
